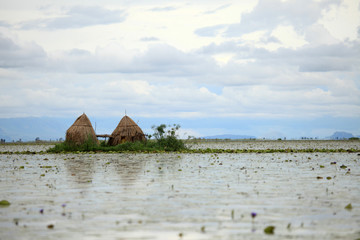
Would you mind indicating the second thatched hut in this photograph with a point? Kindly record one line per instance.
(126, 131)
(81, 131)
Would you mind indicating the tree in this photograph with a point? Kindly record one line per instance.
(159, 131)
(168, 139)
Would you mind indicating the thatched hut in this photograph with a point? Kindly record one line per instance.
(81, 131)
(126, 131)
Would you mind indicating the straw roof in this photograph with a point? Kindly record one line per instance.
(126, 131)
(80, 131)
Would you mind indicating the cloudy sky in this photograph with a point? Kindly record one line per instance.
(249, 62)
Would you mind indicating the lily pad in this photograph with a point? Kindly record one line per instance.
(4, 203)
(269, 230)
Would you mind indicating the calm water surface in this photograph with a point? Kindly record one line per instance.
(180, 196)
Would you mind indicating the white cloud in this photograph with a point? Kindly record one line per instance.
(342, 21)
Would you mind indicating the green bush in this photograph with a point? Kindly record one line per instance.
(88, 145)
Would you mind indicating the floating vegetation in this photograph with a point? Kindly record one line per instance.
(4, 203)
(45, 166)
(348, 207)
(269, 230)
(288, 226)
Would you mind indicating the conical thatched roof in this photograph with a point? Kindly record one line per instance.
(80, 131)
(126, 131)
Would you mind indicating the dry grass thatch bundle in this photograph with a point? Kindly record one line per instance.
(81, 131)
(126, 131)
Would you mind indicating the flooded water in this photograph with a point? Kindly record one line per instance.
(271, 144)
(180, 196)
(24, 147)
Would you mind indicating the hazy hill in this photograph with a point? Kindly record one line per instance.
(341, 135)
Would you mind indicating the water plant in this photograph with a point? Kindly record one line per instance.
(269, 230)
(4, 203)
(348, 207)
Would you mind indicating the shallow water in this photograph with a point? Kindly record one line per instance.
(180, 196)
(24, 147)
(241, 144)
(271, 144)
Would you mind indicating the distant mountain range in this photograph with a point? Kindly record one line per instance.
(341, 135)
(230, 136)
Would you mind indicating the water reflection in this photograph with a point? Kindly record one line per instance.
(129, 168)
(80, 170)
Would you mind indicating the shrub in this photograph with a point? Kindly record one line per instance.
(168, 139)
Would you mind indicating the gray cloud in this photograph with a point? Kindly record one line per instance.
(210, 31)
(218, 9)
(248, 62)
(309, 58)
(4, 24)
(159, 59)
(13, 55)
(268, 14)
(270, 39)
(149, 39)
(78, 17)
(79, 52)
